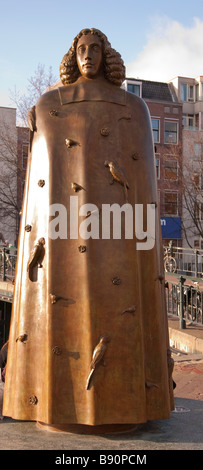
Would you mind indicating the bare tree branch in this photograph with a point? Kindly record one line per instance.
(37, 85)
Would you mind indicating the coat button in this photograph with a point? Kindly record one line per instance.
(41, 183)
(56, 350)
(33, 400)
(105, 131)
(116, 281)
(53, 113)
(28, 228)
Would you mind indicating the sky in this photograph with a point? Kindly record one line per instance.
(157, 40)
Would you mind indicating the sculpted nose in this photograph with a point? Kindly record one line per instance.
(88, 53)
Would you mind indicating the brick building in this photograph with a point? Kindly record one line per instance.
(8, 175)
(189, 92)
(166, 116)
(22, 150)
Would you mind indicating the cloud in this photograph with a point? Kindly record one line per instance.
(171, 50)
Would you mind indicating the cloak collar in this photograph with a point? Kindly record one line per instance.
(91, 91)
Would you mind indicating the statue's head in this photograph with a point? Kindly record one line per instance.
(89, 56)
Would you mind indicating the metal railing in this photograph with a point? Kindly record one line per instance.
(184, 299)
(8, 258)
(186, 261)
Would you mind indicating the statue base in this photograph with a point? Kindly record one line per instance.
(85, 429)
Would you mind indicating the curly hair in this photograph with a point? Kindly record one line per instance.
(114, 69)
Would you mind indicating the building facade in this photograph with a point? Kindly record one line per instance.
(166, 117)
(189, 92)
(22, 156)
(8, 175)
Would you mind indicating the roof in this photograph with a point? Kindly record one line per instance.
(156, 91)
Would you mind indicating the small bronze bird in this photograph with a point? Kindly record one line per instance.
(37, 255)
(76, 187)
(71, 143)
(129, 310)
(118, 176)
(149, 384)
(22, 338)
(97, 356)
(53, 298)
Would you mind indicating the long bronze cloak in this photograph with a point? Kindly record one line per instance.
(74, 291)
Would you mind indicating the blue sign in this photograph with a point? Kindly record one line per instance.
(171, 227)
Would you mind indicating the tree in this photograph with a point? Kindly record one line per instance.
(8, 173)
(41, 81)
(192, 184)
(12, 173)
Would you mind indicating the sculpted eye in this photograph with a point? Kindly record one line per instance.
(96, 48)
(81, 49)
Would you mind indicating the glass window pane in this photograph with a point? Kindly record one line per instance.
(158, 168)
(155, 129)
(132, 88)
(155, 123)
(170, 203)
(170, 169)
(170, 132)
(196, 149)
(183, 92)
(190, 93)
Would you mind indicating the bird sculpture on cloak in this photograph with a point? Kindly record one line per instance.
(97, 357)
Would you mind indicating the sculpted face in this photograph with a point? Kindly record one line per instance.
(89, 56)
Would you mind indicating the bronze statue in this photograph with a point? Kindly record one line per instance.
(75, 130)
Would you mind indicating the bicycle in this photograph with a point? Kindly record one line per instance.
(170, 264)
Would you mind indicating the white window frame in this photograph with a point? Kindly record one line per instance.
(174, 121)
(189, 86)
(159, 130)
(157, 159)
(133, 82)
(187, 118)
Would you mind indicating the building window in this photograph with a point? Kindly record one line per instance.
(196, 149)
(198, 210)
(171, 202)
(156, 130)
(157, 161)
(197, 92)
(183, 91)
(171, 169)
(186, 92)
(198, 152)
(22, 190)
(198, 243)
(134, 88)
(188, 120)
(196, 180)
(24, 155)
(190, 93)
(170, 132)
